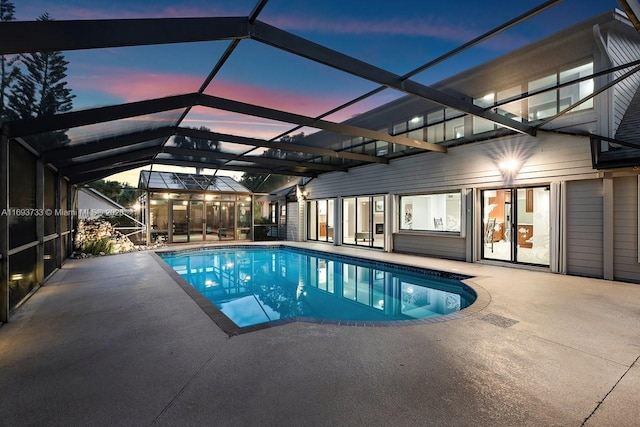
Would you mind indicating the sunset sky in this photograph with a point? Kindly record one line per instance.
(395, 35)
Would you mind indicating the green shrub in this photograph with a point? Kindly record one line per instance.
(94, 247)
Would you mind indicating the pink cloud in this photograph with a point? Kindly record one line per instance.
(135, 85)
(309, 105)
(234, 124)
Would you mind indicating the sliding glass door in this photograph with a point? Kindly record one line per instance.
(363, 221)
(320, 220)
(515, 225)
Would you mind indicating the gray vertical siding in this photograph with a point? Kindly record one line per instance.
(293, 221)
(584, 228)
(433, 246)
(625, 229)
(623, 49)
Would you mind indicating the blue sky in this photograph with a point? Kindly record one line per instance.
(395, 35)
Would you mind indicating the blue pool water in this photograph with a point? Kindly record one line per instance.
(253, 285)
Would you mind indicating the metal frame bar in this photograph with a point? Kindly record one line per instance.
(40, 222)
(108, 161)
(197, 133)
(85, 177)
(254, 159)
(57, 155)
(233, 168)
(93, 147)
(93, 116)
(48, 36)
(283, 116)
(4, 225)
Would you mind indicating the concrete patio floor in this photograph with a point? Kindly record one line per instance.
(114, 341)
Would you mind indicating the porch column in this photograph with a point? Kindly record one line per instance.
(40, 223)
(4, 226)
(337, 222)
(607, 227)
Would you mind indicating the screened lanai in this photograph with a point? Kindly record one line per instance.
(157, 126)
(248, 91)
(227, 116)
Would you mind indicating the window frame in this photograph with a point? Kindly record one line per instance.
(446, 231)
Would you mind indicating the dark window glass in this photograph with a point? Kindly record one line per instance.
(22, 196)
(22, 275)
(50, 256)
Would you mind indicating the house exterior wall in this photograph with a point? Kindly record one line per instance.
(92, 206)
(592, 216)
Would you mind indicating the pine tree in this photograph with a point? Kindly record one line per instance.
(7, 71)
(40, 89)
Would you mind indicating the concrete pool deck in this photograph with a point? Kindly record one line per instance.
(115, 341)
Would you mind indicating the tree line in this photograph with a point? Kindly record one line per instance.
(33, 84)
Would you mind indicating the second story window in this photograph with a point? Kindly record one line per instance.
(571, 94)
(549, 103)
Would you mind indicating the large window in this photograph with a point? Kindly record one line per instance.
(545, 100)
(431, 212)
(550, 102)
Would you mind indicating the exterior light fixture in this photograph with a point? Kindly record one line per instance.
(166, 195)
(208, 197)
(301, 194)
(509, 165)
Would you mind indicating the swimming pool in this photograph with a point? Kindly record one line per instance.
(254, 285)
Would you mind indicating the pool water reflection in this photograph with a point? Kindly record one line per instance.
(254, 285)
